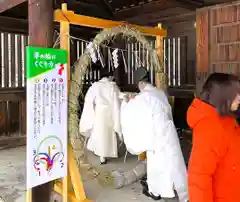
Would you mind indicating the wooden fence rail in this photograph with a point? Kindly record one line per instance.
(13, 56)
(135, 54)
(12, 83)
(13, 79)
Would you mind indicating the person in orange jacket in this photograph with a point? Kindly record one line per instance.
(214, 166)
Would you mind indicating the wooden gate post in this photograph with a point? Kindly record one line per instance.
(40, 27)
(160, 77)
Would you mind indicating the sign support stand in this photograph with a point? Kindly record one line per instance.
(74, 175)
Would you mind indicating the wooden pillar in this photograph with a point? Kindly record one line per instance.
(202, 49)
(159, 44)
(65, 44)
(159, 76)
(65, 40)
(40, 23)
(40, 18)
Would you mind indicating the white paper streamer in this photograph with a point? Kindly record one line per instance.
(100, 56)
(91, 50)
(115, 58)
(124, 61)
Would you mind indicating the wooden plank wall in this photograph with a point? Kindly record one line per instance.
(183, 26)
(218, 41)
(135, 54)
(12, 72)
(12, 54)
(12, 83)
(175, 63)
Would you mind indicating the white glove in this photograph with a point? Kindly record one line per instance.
(126, 98)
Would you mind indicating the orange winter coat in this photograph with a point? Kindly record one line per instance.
(214, 166)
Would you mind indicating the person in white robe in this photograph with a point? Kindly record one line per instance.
(100, 119)
(147, 125)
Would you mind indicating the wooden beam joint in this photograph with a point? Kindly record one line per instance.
(72, 18)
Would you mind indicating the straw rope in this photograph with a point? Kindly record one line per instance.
(76, 85)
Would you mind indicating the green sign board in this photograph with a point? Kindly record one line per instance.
(46, 115)
(40, 60)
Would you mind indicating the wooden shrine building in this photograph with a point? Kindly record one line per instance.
(200, 39)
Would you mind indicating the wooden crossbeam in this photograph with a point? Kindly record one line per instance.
(188, 4)
(8, 4)
(146, 8)
(13, 25)
(72, 18)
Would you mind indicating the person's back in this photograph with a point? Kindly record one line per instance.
(101, 118)
(105, 91)
(147, 125)
(156, 97)
(167, 146)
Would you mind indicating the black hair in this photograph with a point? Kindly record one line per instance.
(141, 75)
(145, 79)
(220, 90)
(104, 72)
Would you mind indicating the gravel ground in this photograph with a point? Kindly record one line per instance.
(12, 178)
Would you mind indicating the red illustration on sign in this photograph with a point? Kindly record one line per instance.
(61, 69)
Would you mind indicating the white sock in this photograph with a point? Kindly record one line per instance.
(155, 194)
(102, 159)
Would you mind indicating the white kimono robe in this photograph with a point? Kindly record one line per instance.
(147, 125)
(100, 120)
